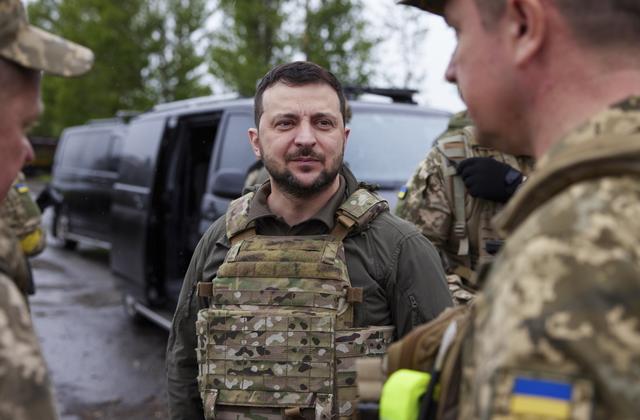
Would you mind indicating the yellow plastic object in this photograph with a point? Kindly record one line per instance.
(401, 395)
(32, 242)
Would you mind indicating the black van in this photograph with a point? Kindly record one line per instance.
(84, 170)
(183, 162)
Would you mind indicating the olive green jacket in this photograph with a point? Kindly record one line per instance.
(399, 270)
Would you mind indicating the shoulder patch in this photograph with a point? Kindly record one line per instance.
(403, 192)
(22, 188)
(535, 395)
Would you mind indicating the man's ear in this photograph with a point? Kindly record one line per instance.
(527, 28)
(254, 139)
(347, 131)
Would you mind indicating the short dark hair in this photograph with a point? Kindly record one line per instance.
(13, 77)
(296, 74)
(593, 22)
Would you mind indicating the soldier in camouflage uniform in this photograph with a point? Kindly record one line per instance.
(556, 331)
(454, 194)
(300, 276)
(25, 392)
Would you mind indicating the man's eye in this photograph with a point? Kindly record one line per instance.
(284, 124)
(325, 123)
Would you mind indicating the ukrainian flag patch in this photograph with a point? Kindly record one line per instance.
(403, 192)
(541, 397)
(22, 188)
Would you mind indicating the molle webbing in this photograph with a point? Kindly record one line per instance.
(283, 359)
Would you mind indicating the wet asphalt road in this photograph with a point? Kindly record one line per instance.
(103, 365)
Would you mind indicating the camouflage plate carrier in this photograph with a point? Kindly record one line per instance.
(277, 340)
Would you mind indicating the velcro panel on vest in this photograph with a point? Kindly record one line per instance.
(266, 358)
(453, 147)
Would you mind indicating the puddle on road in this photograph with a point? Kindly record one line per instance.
(151, 408)
(42, 264)
(99, 299)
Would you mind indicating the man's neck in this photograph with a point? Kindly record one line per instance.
(295, 210)
(566, 105)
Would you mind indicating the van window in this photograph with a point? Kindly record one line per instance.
(72, 150)
(96, 150)
(236, 150)
(385, 148)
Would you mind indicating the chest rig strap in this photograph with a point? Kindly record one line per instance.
(454, 150)
(237, 219)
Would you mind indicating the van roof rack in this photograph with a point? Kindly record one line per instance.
(193, 102)
(97, 121)
(404, 96)
(127, 114)
(121, 116)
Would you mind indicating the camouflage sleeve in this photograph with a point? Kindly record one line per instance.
(416, 284)
(558, 325)
(425, 203)
(182, 364)
(24, 387)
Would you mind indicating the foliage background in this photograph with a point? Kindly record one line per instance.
(153, 51)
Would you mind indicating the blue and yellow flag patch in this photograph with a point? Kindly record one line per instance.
(403, 192)
(22, 188)
(541, 397)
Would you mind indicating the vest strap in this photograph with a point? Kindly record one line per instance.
(357, 211)
(355, 295)
(237, 216)
(454, 149)
(209, 403)
(343, 226)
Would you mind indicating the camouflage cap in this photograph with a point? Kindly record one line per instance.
(36, 49)
(432, 6)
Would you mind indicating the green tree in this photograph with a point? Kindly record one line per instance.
(248, 43)
(255, 35)
(144, 53)
(178, 67)
(122, 37)
(335, 36)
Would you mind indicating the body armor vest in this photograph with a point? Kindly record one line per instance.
(277, 339)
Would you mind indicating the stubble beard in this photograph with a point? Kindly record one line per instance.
(289, 184)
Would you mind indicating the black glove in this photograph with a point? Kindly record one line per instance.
(489, 179)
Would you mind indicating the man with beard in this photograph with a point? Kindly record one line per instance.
(300, 276)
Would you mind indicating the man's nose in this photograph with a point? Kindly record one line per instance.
(29, 154)
(450, 73)
(305, 135)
